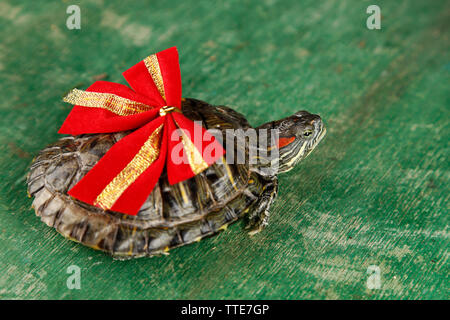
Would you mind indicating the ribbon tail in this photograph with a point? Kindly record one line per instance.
(192, 148)
(126, 175)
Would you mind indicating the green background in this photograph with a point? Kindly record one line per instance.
(375, 192)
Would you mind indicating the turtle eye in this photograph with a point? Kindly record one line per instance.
(307, 133)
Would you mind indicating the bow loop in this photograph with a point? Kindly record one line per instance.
(162, 138)
(158, 76)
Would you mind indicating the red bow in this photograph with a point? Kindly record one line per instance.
(126, 175)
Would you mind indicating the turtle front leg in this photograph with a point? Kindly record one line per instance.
(258, 219)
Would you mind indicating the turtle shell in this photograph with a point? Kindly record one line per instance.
(172, 215)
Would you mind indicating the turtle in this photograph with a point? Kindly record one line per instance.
(173, 215)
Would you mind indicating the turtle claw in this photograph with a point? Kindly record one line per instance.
(256, 225)
(254, 231)
(259, 219)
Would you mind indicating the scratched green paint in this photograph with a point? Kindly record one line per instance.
(375, 192)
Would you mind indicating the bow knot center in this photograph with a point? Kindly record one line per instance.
(168, 109)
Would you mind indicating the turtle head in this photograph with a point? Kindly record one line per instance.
(298, 135)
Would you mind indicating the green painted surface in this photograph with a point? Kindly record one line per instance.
(375, 192)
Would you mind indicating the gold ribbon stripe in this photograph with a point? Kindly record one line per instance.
(152, 64)
(195, 159)
(111, 102)
(148, 153)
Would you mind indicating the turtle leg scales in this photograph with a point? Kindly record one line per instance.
(258, 219)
